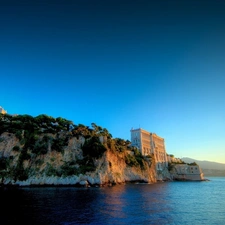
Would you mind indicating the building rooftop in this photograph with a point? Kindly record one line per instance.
(140, 129)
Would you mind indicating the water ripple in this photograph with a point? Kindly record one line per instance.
(163, 203)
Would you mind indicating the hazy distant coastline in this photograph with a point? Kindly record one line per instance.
(209, 168)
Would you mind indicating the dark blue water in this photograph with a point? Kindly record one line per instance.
(161, 203)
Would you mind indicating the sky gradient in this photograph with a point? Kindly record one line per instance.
(157, 65)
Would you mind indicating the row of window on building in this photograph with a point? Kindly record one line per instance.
(149, 143)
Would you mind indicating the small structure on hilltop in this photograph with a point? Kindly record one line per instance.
(2, 111)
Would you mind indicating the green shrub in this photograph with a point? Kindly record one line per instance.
(4, 162)
(93, 147)
(22, 174)
(22, 141)
(86, 165)
(111, 145)
(135, 160)
(16, 148)
(170, 166)
(39, 162)
(51, 171)
(19, 173)
(86, 168)
(59, 144)
(18, 134)
(40, 148)
(140, 161)
(25, 155)
(68, 170)
(30, 140)
(192, 164)
(130, 160)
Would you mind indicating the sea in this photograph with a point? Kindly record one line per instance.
(178, 202)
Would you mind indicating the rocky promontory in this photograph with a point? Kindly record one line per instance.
(44, 150)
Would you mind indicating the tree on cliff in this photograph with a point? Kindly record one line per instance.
(93, 147)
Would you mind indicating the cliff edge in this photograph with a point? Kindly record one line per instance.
(43, 150)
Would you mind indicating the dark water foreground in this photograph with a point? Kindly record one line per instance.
(161, 203)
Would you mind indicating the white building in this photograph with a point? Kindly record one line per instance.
(150, 143)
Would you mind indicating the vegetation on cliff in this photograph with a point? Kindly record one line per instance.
(47, 146)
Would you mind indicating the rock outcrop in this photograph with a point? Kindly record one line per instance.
(41, 164)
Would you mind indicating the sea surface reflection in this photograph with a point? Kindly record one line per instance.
(161, 203)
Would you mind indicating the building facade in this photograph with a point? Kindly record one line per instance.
(150, 143)
(2, 111)
(187, 172)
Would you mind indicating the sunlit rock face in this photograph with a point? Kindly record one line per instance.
(42, 163)
(112, 168)
(7, 142)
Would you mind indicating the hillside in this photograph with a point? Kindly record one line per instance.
(205, 164)
(44, 150)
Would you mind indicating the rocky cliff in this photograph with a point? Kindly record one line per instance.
(69, 166)
(48, 151)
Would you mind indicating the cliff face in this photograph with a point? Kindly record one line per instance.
(62, 159)
(116, 170)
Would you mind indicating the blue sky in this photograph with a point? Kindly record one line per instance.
(158, 65)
